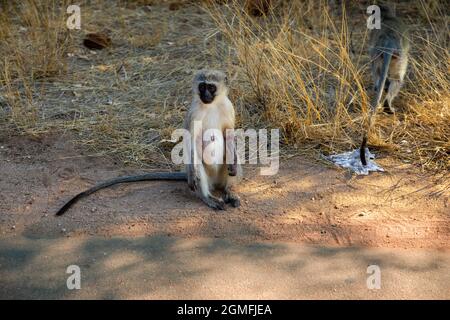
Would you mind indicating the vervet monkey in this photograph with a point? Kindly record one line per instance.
(211, 109)
(388, 50)
(214, 111)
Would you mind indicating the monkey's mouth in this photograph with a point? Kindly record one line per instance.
(207, 98)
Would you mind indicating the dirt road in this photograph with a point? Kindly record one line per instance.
(164, 267)
(307, 232)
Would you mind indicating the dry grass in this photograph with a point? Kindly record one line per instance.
(293, 70)
(304, 78)
(33, 43)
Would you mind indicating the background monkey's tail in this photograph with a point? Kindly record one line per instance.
(176, 176)
(387, 57)
(362, 150)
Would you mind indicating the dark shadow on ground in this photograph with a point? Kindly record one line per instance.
(162, 267)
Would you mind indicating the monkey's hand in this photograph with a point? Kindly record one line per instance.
(192, 185)
(232, 170)
(195, 184)
(192, 178)
(231, 153)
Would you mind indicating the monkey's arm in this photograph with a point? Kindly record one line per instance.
(177, 176)
(195, 147)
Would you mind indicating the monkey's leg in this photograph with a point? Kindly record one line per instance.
(394, 89)
(200, 181)
(386, 85)
(204, 191)
(376, 70)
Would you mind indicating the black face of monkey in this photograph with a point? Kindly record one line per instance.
(207, 92)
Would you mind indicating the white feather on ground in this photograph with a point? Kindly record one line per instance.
(352, 161)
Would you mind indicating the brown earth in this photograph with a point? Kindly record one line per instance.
(306, 202)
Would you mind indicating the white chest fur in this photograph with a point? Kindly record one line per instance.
(214, 121)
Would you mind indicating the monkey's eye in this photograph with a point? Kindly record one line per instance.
(202, 87)
(212, 88)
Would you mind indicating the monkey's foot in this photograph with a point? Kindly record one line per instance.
(215, 203)
(388, 109)
(232, 198)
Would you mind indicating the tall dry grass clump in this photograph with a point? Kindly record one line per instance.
(33, 43)
(308, 74)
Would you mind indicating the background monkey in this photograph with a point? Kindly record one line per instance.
(388, 50)
(212, 108)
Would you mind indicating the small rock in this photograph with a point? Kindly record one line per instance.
(147, 8)
(97, 41)
(174, 6)
(63, 230)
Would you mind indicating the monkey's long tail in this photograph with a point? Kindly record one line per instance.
(387, 57)
(176, 176)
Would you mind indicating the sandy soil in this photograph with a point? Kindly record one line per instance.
(307, 202)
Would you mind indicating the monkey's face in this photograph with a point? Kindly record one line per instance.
(207, 92)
